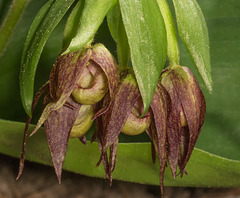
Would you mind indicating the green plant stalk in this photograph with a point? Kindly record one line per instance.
(72, 24)
(14, 14)
(172, 41)
(123, 50)
(118, 33)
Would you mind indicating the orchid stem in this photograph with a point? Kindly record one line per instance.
(173, 47)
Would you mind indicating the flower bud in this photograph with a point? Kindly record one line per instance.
(83, 121)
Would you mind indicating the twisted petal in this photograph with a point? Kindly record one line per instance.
(43, 89)
(100, 134)
(158, 131)
(125, 99)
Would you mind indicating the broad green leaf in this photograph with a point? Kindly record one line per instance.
(44, 23)
(14, 14)
(193, 31)
(146, 35)
(117, 30)
(134, 161)
(91, 18)
(172, 41)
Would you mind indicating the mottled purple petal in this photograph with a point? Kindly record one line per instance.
(58, 126)
(173, 125)
(106, 61)
(126, 97)
(100, 134)
(159, 107)
(193, 104)
(70, 66)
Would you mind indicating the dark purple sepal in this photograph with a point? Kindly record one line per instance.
(63, 81)
(100, 134)
(102, 57)
(173, 124)
(58, 126)
(128, 93)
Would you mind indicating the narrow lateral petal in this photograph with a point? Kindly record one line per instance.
(58, 127)
(100, 134)
(42, 90)
(159, 107)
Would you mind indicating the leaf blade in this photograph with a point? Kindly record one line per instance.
(194, 34)
(134, 158)
(147, 41)
(45, 21)
(89, 22)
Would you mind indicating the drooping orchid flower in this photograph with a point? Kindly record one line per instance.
(77, 81)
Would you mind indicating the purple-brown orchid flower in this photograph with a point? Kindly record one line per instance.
(77, 81)
(176, 124)
(123, 116)
(175, 116)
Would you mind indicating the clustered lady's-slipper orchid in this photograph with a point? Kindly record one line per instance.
(85, 86)
(77, 81)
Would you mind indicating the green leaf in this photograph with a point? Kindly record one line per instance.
(148, 43)
(117, 30)
(113, 17)
(91, 18)
(193, 31)
(14, 14)
(44, 23)
(133, 163)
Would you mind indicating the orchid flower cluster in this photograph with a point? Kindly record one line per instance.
(87, 85)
